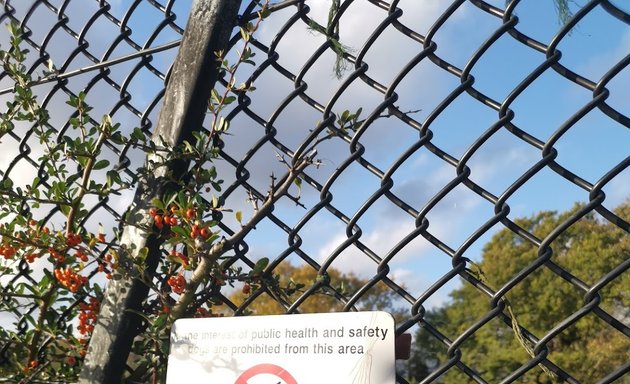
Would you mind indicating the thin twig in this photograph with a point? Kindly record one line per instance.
(83, 188)
(209, 257)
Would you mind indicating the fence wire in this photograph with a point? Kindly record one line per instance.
(396, 62)
(119, 55)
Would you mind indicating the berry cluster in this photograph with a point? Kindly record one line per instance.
(56, 255)
(180, 216)
(71, 280)
(177, 283)
(162, 218)
(112, 265)
(196, 231)
(30, 257)
(12, 242)
(33, 242)
(71, 360)
(202, 312)
(87, 316)
(81, 255)
(31, 366)
(7, 251)
(73, 239)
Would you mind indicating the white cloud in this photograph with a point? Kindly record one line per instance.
(451, 220)
(380, 241)
(618, 190)
(389, 54)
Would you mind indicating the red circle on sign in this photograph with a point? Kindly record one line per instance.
(262, 369)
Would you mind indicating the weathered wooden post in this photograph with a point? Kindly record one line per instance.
(192, 77)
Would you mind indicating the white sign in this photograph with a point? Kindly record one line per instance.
(340, 348)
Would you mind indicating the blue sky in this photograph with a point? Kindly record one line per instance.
(592, 147)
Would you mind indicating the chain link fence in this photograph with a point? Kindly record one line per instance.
(119, 55)
(473, 114)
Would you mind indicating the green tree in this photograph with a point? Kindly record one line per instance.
(588, 350)
(379, 297)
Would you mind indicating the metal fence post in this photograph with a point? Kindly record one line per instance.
(193, 75)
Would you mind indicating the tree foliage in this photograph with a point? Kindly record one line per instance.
(588, 350)
(379, 297)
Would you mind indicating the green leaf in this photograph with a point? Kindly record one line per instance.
(264, 12)
(7, 184)
(244, 34)
(356, 115)
(239, 216)
(112, 178)
(72, 178)
(157, 203)
(117, 138)
(260, 266)
(189, 148)
(142, 255)
(223, 125)
(180, 231)
(30, 319)
(181, 199)
(73, 101)
(160, 322)
(101, 164)
(74, 121)
(170, 200)
(98, 291)
(215, 96)
(45, 280)
(138, 135)
(65, 209)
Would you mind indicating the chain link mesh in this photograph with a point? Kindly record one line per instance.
(400, 63)
(119, 55)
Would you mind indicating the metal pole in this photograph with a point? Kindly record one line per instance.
(192, 77)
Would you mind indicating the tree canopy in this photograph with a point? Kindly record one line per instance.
(588, 350)
(379, 297)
